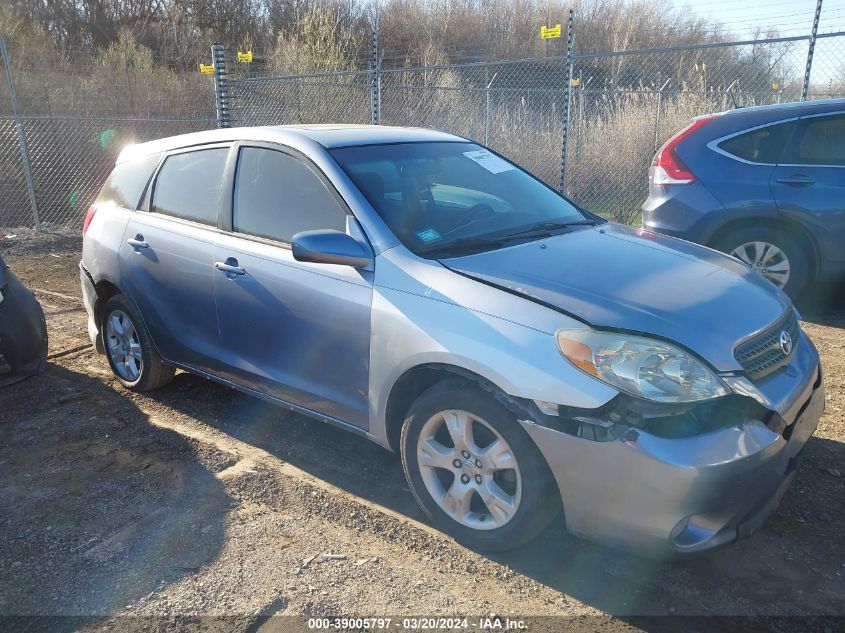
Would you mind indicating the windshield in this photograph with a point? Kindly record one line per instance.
(450, 198)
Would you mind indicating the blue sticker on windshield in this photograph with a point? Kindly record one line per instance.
(429, 235)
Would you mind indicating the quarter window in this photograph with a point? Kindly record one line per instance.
(127, 182)
(277, 196)
(188, 185)
(819, 141)
(763, 145)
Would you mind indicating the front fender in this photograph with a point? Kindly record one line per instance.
(412, 328)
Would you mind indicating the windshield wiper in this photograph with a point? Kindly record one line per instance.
(546, 228)
(470, 243)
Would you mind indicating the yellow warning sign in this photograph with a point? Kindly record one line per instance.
(245, 58)
(775, 85)
(576, 82)
(206, 69)
(548, 32)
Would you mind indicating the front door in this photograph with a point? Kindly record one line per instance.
(297, 331)
(809, 181)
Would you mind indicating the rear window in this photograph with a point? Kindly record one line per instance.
(763, 145)
(127, 182)
(188, 185)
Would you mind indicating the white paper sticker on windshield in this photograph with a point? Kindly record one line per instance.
(490, 162)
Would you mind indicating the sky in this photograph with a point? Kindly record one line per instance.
(789, 17)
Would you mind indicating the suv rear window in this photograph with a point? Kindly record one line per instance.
(763, 145)
(127, 182)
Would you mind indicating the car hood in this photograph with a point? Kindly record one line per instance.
(612, 276)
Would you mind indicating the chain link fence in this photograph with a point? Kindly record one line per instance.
(319, 98)
(623, 105)
(15, 207)
(514, 107)
(590, 121)
(69, 159)
(64, 119)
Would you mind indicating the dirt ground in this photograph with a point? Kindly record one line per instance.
(198, 500)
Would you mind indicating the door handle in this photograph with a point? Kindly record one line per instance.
(230, 267)
(798, 180)
(137, 242)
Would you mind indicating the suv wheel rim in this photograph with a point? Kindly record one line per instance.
(469, 470)
(124, 346)
(765, 259)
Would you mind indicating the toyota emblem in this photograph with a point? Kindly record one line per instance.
(785, 343)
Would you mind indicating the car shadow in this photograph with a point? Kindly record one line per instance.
(797, 552)
(101, 508)
(824, 304)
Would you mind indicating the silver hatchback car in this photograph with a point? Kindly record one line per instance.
(521, 354)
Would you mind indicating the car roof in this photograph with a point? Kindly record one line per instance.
(328, 136)
(817, 104)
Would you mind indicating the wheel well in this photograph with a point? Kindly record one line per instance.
(413, 383)
(793, 229)
(105, 291)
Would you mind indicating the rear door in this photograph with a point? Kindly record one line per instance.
(742, 185)
(167, 256)
(294, 330)
(809, 182)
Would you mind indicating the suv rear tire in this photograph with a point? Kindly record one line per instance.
(740, 244)
(129, 348)
(491, 488)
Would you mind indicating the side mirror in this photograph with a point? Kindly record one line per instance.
(328, 246)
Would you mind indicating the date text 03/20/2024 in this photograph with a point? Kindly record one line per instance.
(483, 624)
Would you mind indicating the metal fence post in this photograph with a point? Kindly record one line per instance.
(805, 89)
(27, 168)
(657, 118)
(221, 86)
(375, 82)
(487, 108)
(565, 134)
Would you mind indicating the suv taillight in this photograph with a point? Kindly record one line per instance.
(88, 217)
(667, 168)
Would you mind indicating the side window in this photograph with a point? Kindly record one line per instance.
(278, 195)
(188, 185)
(127, 182)
(819, 141)
(763, 145)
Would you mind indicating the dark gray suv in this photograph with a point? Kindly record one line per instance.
(765, 184)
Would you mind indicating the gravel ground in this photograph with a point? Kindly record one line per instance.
(196, 500)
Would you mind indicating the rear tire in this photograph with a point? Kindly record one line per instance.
(502, 495)
(796, 255)
(129, 347)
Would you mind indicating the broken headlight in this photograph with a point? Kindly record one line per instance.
(641, 366)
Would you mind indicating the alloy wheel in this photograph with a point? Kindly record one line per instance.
(124, 346)
(765, 259)
(469, 469)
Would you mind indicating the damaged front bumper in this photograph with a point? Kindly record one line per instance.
(670, 496)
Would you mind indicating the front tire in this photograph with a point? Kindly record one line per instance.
(129, 348)
(474, 470)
